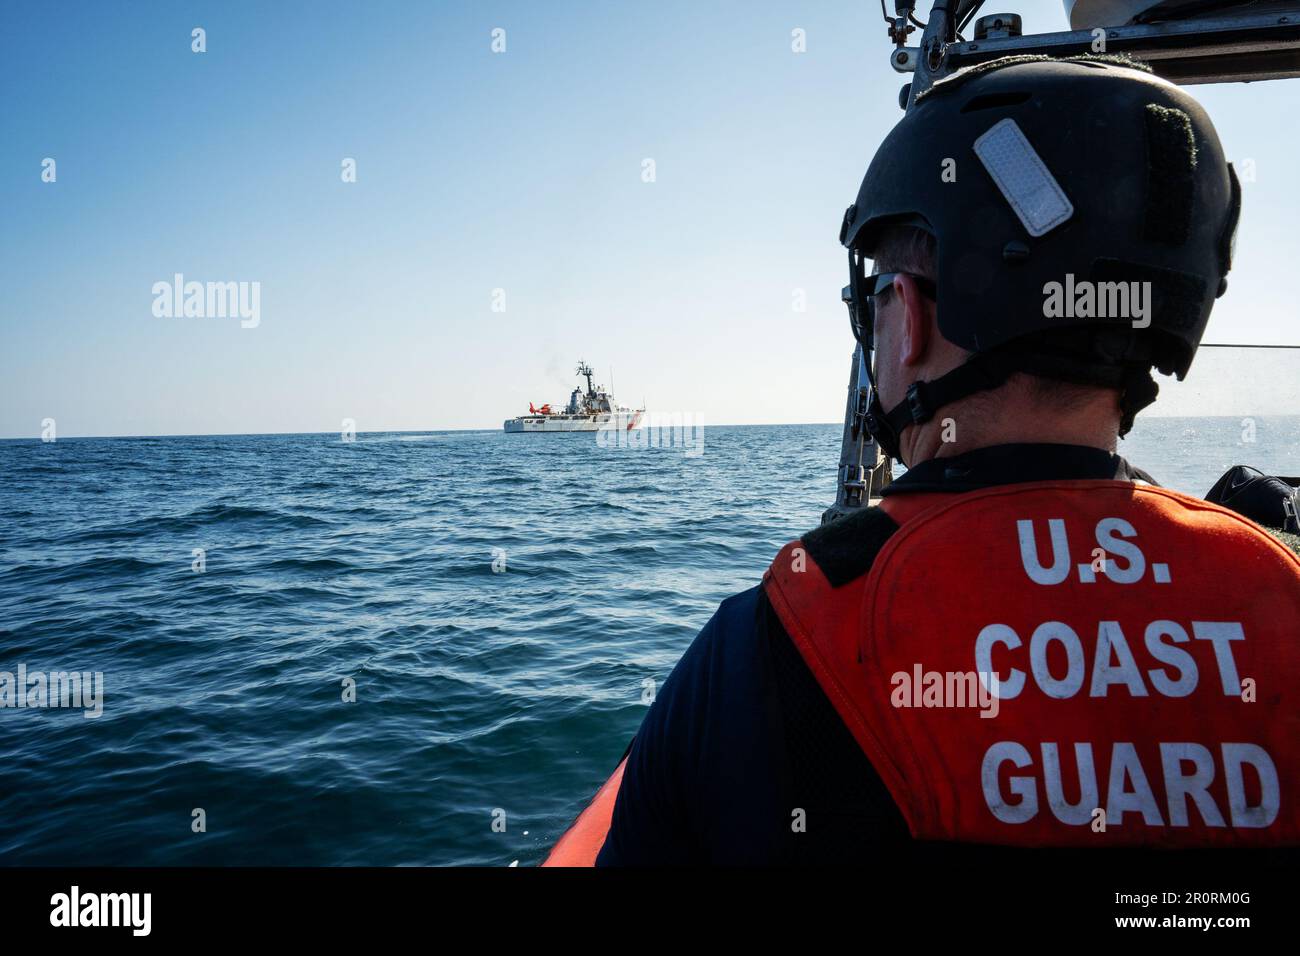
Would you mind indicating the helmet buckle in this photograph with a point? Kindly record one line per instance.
(917, 406)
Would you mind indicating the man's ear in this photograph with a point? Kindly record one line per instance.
(916, 320)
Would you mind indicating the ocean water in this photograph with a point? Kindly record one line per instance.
(482, 697)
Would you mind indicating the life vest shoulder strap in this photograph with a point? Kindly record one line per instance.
(814, 587)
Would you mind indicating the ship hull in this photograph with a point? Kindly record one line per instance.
(571, 423)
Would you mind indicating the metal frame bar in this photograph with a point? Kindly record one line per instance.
(1226, 49)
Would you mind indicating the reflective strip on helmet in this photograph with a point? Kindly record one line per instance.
(1023, 179)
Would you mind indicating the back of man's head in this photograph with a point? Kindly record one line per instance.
(1076, 217)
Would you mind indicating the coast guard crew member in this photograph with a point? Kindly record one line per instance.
(1028, 643)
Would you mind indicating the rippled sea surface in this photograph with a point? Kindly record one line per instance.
(480, 696)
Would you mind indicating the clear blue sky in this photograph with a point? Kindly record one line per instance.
(476, 171)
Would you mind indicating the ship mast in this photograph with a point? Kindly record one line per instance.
(585, 369)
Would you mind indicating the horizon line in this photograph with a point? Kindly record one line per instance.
(434, 431)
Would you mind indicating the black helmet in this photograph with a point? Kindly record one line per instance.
(1086, 172)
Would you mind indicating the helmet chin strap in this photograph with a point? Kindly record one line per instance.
(979, 373)
(989, 370)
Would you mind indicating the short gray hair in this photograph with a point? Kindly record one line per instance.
(906, 248)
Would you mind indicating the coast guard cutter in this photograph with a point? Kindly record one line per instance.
(588, 411)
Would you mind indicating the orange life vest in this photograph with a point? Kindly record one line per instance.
(1146, 647)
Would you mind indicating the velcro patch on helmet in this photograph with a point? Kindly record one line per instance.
(1025, 181)
(1171, 174)
(966, 74)
(1228, 238)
